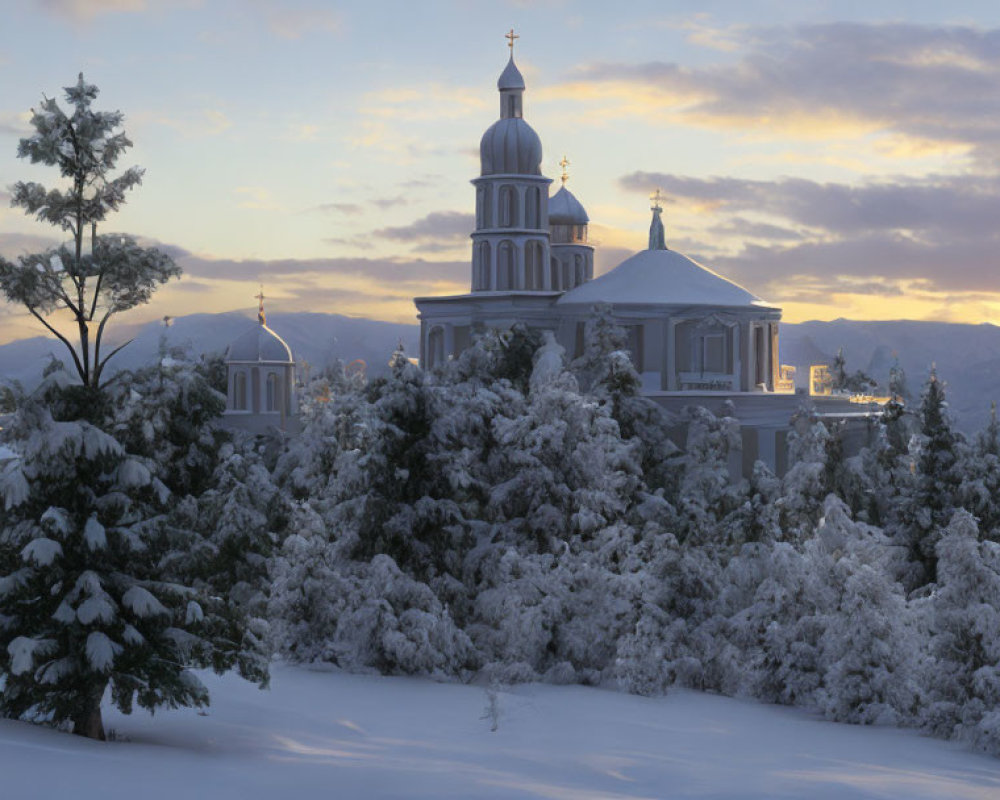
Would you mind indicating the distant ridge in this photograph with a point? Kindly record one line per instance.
(967, 356)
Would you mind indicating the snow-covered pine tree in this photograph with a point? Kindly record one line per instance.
(962, 675)
(91, 282)
(83, 602)
(930, 495)
(980, 491)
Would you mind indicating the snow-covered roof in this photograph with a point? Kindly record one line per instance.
(260, 343)
(565, 209)
(511, 77)
(661, 277)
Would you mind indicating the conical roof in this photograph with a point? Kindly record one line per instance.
(662, 277)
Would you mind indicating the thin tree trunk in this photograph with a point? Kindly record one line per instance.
(89, 722)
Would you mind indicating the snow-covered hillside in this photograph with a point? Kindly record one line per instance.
(330, 734)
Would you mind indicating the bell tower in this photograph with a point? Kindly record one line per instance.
(510, 246)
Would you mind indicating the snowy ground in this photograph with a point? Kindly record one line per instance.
(331, 735)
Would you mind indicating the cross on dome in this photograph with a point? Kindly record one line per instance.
(565, 175)
(260, 306)
(510, 36)
(655, 197)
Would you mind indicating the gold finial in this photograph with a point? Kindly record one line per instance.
(565, 175)
(510, 37)
(260, 306)
(655, 197)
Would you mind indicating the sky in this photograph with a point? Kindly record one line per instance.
(839, 159)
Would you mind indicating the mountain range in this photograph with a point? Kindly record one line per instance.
(967, 357)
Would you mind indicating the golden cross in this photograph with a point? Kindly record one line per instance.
(510, 37)
(260, 306)
(655, 197)
(565, 175)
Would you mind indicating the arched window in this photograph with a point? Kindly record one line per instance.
(271, 392)
(554, 276)
(488, 207)
(485, 267)
(505, 266)
(532, 213)
(435, 347)
(240, 391)
(566, 278)
(508, 207)
(578, 269)
(533, 266)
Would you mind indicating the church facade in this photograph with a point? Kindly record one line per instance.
(695, 337)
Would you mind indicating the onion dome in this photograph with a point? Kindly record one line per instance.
(260, 344)
(565, 209)
(511, 77)
(510, 147)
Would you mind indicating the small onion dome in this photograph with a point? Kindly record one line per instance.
(511, 77)
(565, 209)
(662, 277)
(259, 344)
(510, 147)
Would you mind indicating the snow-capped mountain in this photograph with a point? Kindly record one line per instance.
(967, 357)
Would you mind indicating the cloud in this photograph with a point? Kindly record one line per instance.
(15, 123)
(348, 209)
(949, 206)
(295, 23)
(85, 10)
(77, 11)
(377, 271)
(389, 202)
(257, 197)
(939, 85)
(13, 245)
(442, 227)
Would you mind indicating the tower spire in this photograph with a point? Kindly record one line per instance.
(657, 237)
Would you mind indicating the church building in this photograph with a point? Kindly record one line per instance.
(695, 337)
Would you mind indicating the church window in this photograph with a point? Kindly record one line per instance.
(505, 266)
(435, 347)
(488, 207)
(634, 343)
(578, 269)
(532, 208)
(485, 267)
(554, 277)
(508, 207)
(533, 266)
(240, 391)
(713, 353)
(271, 391)
(760, 356)
(566, 282)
